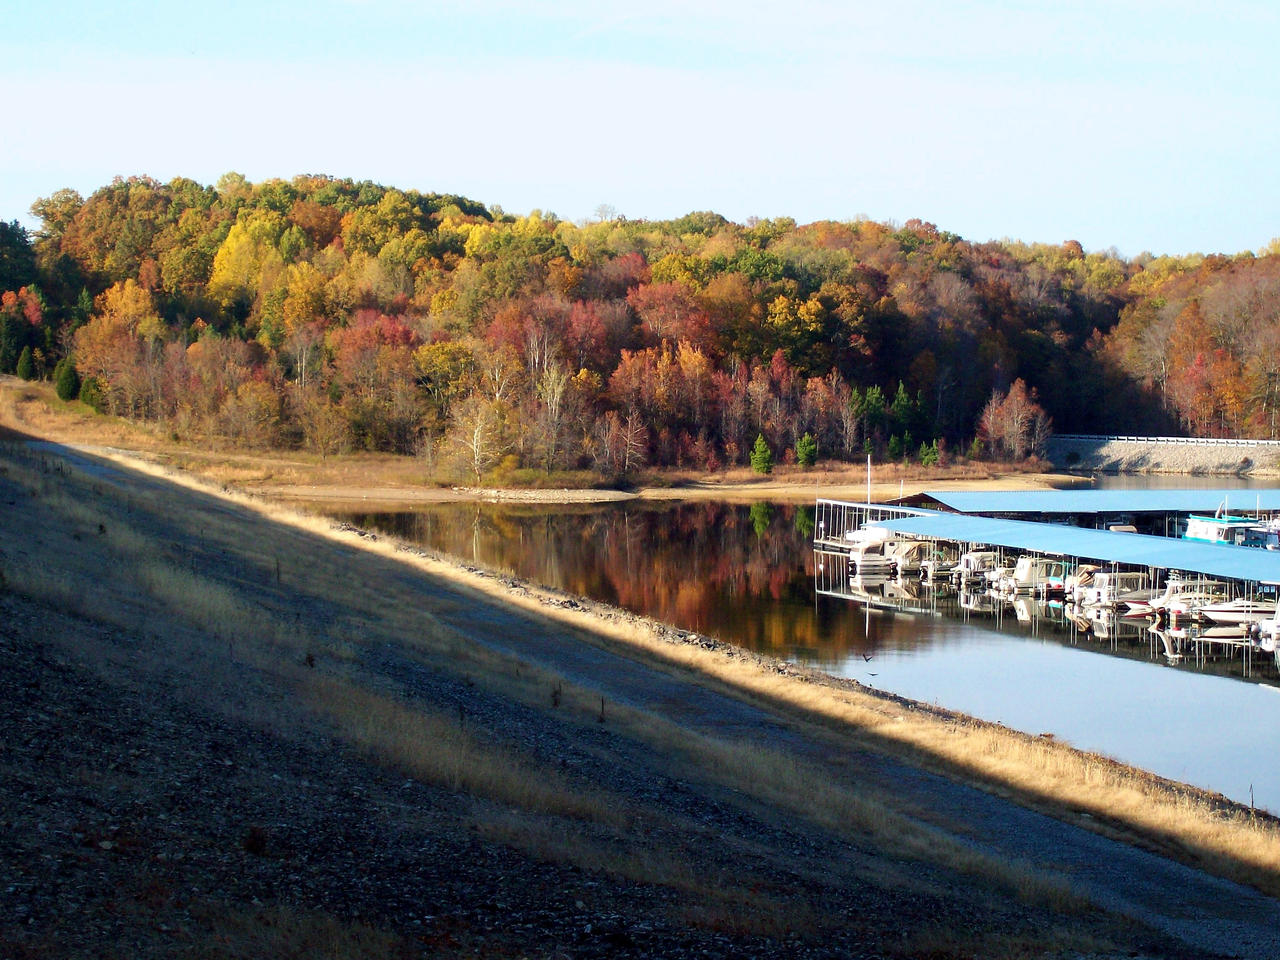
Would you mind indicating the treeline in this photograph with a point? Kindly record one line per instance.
(1203, 335)
(334, 314)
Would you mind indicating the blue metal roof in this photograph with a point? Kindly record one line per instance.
(1211, 559)
(1104, 501)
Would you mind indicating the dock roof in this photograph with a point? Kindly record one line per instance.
(1099, 501)
(1210, 559)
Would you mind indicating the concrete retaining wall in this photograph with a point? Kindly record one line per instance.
(1164, 455)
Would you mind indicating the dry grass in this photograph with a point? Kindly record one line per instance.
(1051, 775)
(35, 407)
(1179, 821)
(439, 750)
(857, 812)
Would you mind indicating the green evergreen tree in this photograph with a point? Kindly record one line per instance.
(806, 450)
(874, 412)
(761, 456)
(902, 412)
(26, 368)
(81, 311)
(895, 447)
(91, 392)
(13, 337)
(66, 381)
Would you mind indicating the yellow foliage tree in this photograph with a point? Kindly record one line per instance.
(248, 263)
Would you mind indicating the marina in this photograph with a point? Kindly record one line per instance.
(1085, 549)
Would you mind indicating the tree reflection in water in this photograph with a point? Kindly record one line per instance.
(743, 573)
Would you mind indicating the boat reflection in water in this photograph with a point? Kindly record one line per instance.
(1239, 650)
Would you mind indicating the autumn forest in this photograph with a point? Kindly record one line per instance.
(333, 315)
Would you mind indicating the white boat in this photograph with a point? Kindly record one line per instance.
(1184, 598)
(875, 551)
(1078, 581)
(1113, 588)
(1137, 603)
(906, 555)
(1268, 631)
(937, 568)
(993, 577)
(976, 564)
(1033, 575)
(867, 557)
(1238, 531)
(1240, 610)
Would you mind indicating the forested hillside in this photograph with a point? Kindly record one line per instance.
(333, 314)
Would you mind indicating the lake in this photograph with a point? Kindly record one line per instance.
(1195, 711)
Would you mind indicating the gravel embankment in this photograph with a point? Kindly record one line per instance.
(1153, 456)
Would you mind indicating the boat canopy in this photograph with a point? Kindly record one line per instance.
(1134, 549)
(1096, 501)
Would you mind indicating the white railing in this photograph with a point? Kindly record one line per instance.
(1206, 441)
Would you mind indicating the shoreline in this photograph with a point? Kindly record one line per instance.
(321, 665)
(630, 629)
(785, 491)
(31, 409)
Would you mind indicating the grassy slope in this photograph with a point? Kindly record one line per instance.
(278, 628)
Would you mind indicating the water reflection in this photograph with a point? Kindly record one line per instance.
(748, 575)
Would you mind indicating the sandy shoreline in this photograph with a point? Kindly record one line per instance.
(729, 491)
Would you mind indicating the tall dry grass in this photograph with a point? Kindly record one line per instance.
(437, 748)
(1177, 820)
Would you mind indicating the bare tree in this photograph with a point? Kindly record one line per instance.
(324, 428)
(478, 435)
(1013, 423)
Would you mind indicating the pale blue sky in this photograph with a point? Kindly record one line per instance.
(1142, 125)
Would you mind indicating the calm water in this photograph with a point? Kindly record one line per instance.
(1202, 713)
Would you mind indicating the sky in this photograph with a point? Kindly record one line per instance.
(1143, 126)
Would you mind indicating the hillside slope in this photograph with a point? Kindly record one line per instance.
(229, 735)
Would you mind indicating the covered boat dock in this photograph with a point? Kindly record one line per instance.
(837, 522)
(1153, 511)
